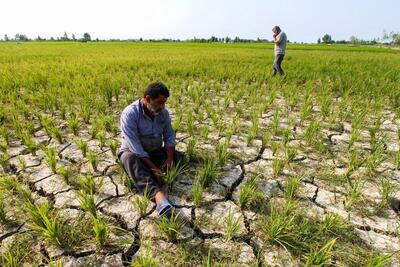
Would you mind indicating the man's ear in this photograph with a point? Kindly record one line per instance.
(147, 98)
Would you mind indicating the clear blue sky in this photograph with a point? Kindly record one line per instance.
(303, 21)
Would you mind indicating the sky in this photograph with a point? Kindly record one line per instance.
(302, 20)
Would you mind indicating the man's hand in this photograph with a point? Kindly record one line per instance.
(157, 173)
(169, 162)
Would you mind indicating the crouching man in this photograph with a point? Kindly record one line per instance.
(148, 144)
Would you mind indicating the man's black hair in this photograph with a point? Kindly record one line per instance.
(156, 89)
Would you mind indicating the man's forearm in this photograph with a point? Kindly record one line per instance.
(149, 163)
(170, 152)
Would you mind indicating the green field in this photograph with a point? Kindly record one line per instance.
(300, 170)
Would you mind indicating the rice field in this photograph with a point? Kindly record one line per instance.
(300, 170)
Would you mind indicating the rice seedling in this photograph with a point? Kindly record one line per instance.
(332, 224)
(73, 124)
(170, 226)
(232, 225)
(65, 174)
(101, 231)
(42, 222)
(145, 258)
(56, 263)
(101, 136)
(113, 145)
(197, 191)
(397, 160)
(248, 192)
(3, 213)
(86, 182)
(87, 202)
(290, 153)
(22, 162)
(275, 123)
(277, 166)
(312, 133)
(387, 192)
(93, 159)
(177, 122)
(56, 133)
(322, 257)
(51, 159)
(275, 145)
(354, 194)
(222, 153)
(173, 173)
(142, 202)
(380, 261)
(190, 150)
(292, 186)
(82, 145)
(208, 171)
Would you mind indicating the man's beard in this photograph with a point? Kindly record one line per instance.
(153, 110)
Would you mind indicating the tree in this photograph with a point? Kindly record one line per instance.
(73, 37)
(65, 37)
(6, 38)
(327, 39)
(86, 37)
(319, 40)
(354, 40)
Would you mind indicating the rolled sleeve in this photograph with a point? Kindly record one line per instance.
(130, 133)
(169, 134)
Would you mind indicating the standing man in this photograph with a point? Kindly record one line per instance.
(148, 144)
(280, 47)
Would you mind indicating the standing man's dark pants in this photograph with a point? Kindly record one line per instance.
(141, 175)
(277, 64)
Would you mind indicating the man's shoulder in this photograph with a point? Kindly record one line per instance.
(132, 109)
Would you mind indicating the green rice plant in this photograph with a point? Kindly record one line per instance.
(5, 134)
(286, 136)
(145, 259)
(3, 213)
(354, 163)
(387, 192)
(22, 162)
(30, 144)
(312, 133)
(397, 160)
(73, 124)
(278, 228)
(190, 150)
(375, 159)
(101, 231)
(94, 130)
(354, 136)
(56, 263)
(82, 145)
(266, 139)
(173, 173)
(41, 221)
(50, 158)
(232, 225)
(322, 257)
(170, 226)
(190, 122)
(275, 123)
(65, 174)
(277, 166)
(380, 261)
(56, 133)
(113, 145)
(177, 122)
(208, 171)
(275, 145)
(197, 191)
(248, 192)
(86, 182)
(290, 153)
(13, 255)
(205, 131)
(93, 159)
(222, 153)
(354, 194)
(142, 202)
(87, 202)
(292, 186)
(101, 136)
(332, 224)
